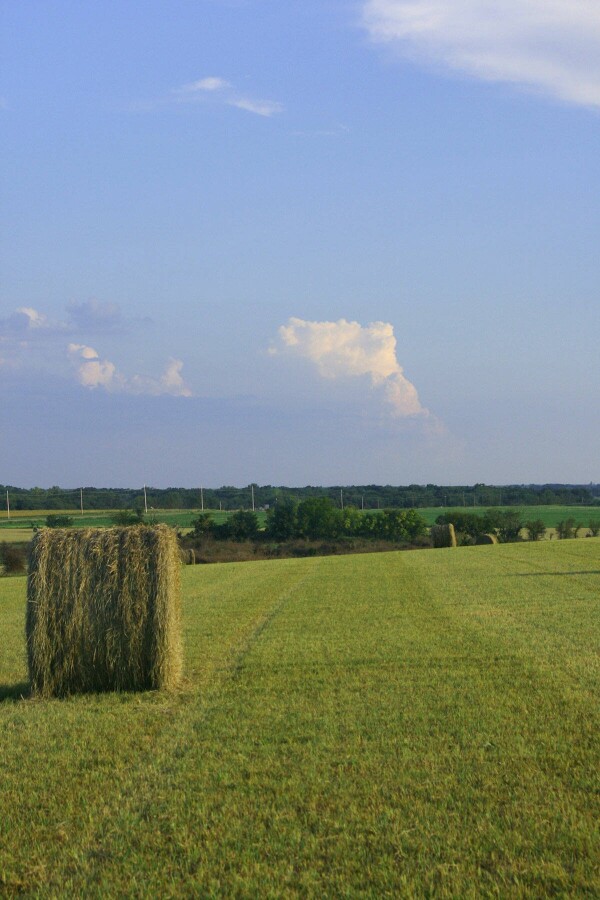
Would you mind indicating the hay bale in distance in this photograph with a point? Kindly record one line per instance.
(486, 539)
(443, 535)
(103, 610)
(187, 557)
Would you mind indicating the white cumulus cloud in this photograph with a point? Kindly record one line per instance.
(551, 46)
(94, 372)
(170, 382)
(345, 349)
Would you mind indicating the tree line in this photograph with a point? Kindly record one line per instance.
(316, 518)
(366, 497)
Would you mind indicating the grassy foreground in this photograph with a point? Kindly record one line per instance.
(401, 724)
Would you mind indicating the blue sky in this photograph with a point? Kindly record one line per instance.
(303, 242)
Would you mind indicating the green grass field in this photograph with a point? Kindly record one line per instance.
(550, 515)
(399, 724)
(19, 528)
(101, 518)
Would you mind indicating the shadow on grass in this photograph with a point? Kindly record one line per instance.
(19, 691)
(545, 574)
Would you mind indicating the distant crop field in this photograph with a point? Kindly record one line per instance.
(550, 515)
(394, 724)
(21, 523)
(15, 535)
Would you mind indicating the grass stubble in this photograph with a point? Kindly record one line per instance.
(395, 724)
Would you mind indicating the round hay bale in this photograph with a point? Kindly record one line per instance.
(187, 557)
(103, 610)
(443, 535)
(486, 539)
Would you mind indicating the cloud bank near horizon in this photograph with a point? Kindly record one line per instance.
(345, 349)
(547, 46)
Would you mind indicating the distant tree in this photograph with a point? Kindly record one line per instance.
(566, 529)
(243, 525)
(594, 526)
(536, 529)
(400, 525)
(505, 523)
(351, 521)
(282, 520)
(465, 523)
(319, 518)
(202, 525)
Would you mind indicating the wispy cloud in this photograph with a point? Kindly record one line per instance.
(550, 46)
(26, 322)
(212, 83)
(345, 349)
(94, 316)
(265, 108)
(94, 372)
(219, 90)
(89, 316)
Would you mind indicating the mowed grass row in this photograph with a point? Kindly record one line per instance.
(379, 725)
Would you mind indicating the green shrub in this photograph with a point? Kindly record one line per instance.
(125, 517)
(57, 521)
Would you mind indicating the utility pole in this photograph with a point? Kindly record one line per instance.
(252, 489)
(7, 506)
(81, 499)
(145, 501)
(341, 498)
(362, 502)
(202, 499)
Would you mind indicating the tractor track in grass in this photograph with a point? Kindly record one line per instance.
(167, 756)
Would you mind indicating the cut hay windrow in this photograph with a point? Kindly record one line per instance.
(443, 536)
(103, 610)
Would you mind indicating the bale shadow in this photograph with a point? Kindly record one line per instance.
(12, 692)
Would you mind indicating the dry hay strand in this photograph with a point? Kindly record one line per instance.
(486, 539)
(443, 535)
(103, 610)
